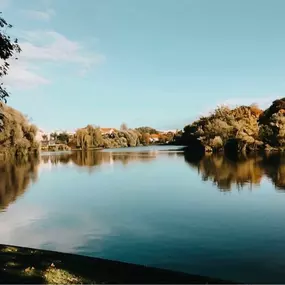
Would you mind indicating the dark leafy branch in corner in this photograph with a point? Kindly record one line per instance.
(8, 48)
(17, 135)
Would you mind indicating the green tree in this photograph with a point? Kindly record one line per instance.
(145, 140)
(96, 138)
(18, 135)
(147, 130)
(63, 138)
(89, 137)
(272, 124)
(81, 137)
(225, 124)
(45, 138)
(54, 136)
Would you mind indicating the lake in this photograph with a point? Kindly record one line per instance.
(213, 215)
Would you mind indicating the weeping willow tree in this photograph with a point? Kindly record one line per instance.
(89, 137)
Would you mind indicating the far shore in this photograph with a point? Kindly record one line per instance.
(45, 150)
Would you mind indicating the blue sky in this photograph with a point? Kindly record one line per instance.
(144, 62)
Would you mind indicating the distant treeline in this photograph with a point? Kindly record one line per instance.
(92, 137)
(242, 129)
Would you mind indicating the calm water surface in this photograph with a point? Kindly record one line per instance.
(211, 216)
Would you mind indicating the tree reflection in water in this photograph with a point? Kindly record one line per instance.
(225, 172)
(92, 159)
(15, 177)
(274, 166)
(239, 171)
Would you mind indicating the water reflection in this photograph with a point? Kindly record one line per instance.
(96, 158)
(15, 177)
(56, 159)
(227, 172)
(274, 168)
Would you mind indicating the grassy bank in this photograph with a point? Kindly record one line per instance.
(25, 265)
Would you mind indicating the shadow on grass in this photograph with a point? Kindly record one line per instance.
(30, 266)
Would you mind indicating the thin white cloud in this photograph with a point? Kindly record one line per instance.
(59, 49)
(39, 15)
(47, 46)
(22, 75)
